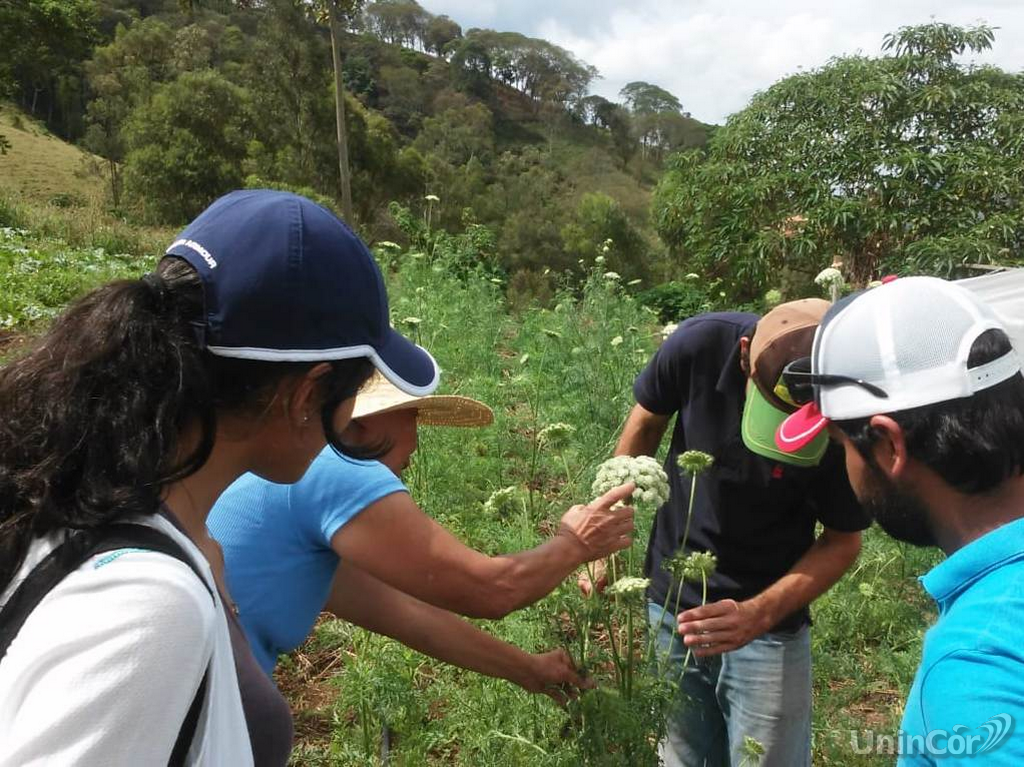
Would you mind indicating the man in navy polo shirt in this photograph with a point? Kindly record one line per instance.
(925, 394)
(755, 509)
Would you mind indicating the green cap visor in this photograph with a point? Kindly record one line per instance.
(761, 419)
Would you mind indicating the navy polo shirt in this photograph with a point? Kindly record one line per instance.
(756, 515)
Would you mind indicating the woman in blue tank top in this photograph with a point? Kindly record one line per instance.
(348, 538)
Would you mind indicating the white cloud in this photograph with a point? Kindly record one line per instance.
(715, 54)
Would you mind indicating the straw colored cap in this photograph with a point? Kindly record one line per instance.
(379, 396)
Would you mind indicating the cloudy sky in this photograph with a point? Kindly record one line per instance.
(715, 54)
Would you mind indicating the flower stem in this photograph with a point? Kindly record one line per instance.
(631, 657)
(689, 512)
(703, 601)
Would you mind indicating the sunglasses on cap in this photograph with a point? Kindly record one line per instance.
(800, 382)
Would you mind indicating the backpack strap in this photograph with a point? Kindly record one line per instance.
(68, 556)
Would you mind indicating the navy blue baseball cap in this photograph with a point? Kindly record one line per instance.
(285, 280)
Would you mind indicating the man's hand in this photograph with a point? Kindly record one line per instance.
(721, 626)
(553, 674)
(599, 528)
(596, 585)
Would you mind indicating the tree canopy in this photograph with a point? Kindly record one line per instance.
(907, 162)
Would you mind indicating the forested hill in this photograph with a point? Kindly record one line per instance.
(183, 101)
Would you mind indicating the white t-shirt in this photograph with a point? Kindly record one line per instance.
(105, 668)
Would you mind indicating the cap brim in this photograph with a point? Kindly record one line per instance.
(801, 429)
(432, 410)
(406, 365)
(761, 422)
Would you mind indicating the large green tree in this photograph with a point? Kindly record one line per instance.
(288, 77)
(186, 146)
(908, 162)
(42, 45)
(122, 76)
(441, 31)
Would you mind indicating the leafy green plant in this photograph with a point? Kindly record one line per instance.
(907, 163)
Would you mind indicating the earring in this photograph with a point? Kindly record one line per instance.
(305, 418)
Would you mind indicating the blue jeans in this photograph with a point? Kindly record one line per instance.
(762, 691)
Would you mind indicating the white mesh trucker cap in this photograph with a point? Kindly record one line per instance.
(908, 340)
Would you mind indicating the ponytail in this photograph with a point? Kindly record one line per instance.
(90, 418)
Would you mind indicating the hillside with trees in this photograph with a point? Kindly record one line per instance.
(183, 101)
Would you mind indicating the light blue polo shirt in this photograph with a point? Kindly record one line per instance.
(970, 683)
(276, 539)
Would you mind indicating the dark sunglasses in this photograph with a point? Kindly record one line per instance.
(800, 382)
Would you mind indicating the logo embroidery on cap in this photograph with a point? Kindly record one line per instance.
(193, 245)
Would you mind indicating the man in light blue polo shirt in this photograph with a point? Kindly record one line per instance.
(924, 391)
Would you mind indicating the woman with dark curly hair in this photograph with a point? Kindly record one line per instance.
(243, 352)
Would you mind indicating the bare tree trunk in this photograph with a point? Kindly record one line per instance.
(339, 115)
(115, 184)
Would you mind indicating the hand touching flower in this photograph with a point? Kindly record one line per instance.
(602, 527)
(643, 471)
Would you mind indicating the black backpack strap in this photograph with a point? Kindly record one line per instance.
(77, 548)
(188, 725)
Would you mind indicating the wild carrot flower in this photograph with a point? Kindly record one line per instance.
(556, 435)
(828, 277)
(613, 276)
(645, 472)
(669, 329)
(695, 461)
(504, 502)
(628, 587)
(698, 566)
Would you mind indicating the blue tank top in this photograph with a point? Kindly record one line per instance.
(276, 540)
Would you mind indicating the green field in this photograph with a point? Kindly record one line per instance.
(572, 363)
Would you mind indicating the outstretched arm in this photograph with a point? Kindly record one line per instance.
(360, 598)
(397, 543)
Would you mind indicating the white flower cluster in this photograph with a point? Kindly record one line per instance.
(828, 278)
(693, 567)
(556, 435)
(628, 586)
(695, 461)
(669, 329)
(504, 502)
(650, 479)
